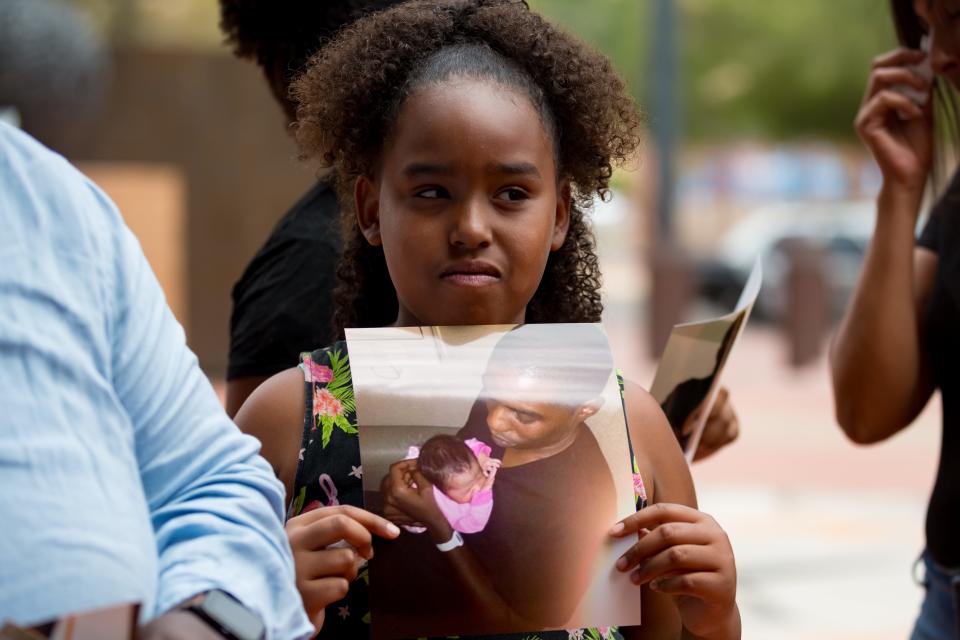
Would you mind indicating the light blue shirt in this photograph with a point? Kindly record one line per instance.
(121, 477)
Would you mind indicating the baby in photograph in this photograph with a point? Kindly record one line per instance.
(462, 474)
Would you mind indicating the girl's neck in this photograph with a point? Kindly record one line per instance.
(406, 318)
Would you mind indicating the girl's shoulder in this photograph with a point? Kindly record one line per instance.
(665, 473)
(275, 412)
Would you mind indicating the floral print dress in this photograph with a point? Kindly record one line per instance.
(330, 473)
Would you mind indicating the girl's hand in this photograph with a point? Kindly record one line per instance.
(408, 499)
(685, 554)
(897, 132)
(324, 573)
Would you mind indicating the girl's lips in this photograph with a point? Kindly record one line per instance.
(471, 274)
(470, 279)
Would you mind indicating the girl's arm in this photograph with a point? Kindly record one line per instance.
(683, 551)
(880, 379)
(274, 414)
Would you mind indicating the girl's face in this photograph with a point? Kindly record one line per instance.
(466, 204)
(942, 20)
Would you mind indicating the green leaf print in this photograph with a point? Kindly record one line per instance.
(593, 634)
(341, 404)
(326, 425)
(298, 502)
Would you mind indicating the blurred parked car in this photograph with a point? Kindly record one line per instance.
(839, 231)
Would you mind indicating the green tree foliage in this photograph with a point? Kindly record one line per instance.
(780, 69)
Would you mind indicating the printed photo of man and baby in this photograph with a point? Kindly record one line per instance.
(504, 488)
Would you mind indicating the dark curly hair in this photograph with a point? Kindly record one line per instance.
(350, 93)
(281, 35)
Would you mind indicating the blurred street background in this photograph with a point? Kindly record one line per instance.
(751, 153)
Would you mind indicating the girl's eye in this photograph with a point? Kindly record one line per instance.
(513, 194)
(431, 193)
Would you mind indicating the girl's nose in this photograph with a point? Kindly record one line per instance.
(471, 227)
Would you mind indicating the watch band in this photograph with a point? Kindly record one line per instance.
(227, 616)
(456, 540)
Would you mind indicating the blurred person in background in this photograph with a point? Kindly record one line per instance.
(283, 302)
(899, 339)
(53, 70)
(123, 479)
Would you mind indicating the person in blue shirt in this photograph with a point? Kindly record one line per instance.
(121, 477)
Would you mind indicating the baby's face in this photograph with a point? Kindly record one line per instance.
(461, 487)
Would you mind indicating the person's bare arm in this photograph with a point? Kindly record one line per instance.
(274, 414)
(680, 539)
(238, 390)
(880, 379)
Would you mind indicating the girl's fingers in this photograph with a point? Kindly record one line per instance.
(685, 558)
(653, 516)
(663, 538)
(371, 521)
(322, 533)
(898, 57)
(702, 585)
(342, 562)
(317, 594)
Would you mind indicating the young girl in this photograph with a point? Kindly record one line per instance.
(469, 137)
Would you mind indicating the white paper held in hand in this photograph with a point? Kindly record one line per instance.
(923, 69)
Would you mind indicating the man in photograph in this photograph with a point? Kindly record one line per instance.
(553, 499)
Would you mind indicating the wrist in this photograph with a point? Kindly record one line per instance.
(440, 531)
(729, 627)
(899, 201)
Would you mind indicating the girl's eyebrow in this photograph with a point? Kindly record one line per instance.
(415, 169)
(514, 169)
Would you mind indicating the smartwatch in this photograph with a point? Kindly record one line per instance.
(227, 616)
(456, 540)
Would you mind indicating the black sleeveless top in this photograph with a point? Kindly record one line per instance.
(941, 328)
(329, 472)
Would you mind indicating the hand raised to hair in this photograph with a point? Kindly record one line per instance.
(897, 132)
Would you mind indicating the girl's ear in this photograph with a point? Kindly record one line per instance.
(561, 222)
(366, 198)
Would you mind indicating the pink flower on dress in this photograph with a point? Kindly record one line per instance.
(638, 488)
(326, 404)
(605, 632)
(310, 507)
(318, 372)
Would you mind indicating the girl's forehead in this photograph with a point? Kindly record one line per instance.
(464, 116)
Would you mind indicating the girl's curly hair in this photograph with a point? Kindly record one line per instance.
(350, 93)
